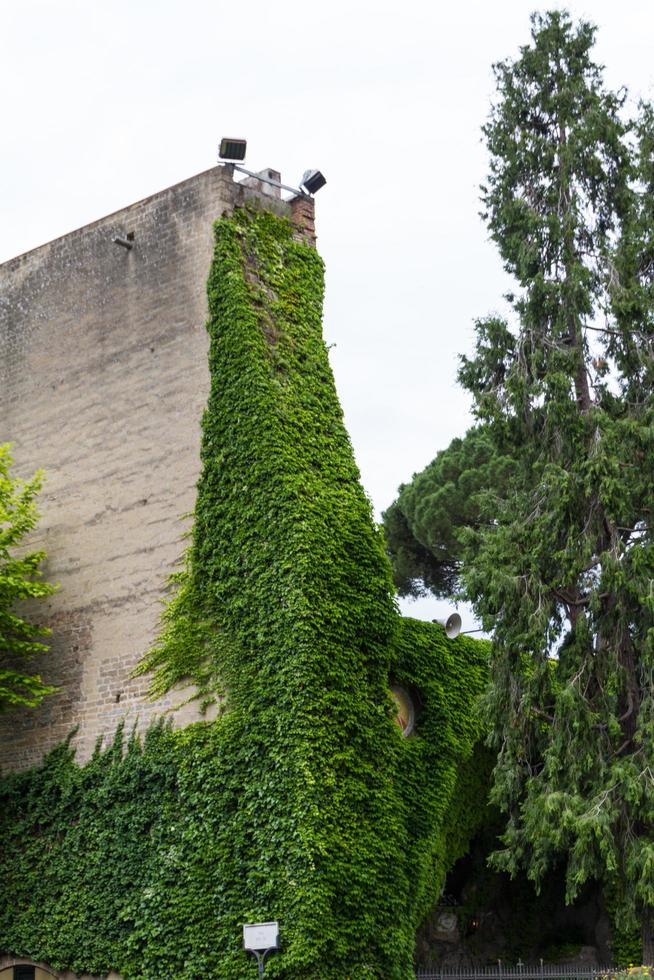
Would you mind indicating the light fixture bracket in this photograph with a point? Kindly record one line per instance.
(270, 180)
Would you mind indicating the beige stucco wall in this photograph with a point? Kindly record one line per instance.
(103, 379)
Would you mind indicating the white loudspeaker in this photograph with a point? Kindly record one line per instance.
(451, 625)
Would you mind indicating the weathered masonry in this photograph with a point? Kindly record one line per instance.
(103, 380)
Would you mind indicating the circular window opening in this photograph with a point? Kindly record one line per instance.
(405, 717)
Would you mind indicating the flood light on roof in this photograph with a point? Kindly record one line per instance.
(312, 181)
(233, 152)
(231, 149)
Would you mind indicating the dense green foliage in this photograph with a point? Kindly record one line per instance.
(557, 554)
(78, 845)
(626, 939)
(139, 860)
(20, 579)
(302, 802)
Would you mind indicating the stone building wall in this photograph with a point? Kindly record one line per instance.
(103, 379)
(43, 971)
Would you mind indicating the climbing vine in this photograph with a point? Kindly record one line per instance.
(302, 802)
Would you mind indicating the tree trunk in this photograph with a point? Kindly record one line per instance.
(647, 933)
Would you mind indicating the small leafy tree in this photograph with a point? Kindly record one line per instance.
(20, 578)
(544, 513)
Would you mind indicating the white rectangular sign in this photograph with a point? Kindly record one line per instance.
(260, 935)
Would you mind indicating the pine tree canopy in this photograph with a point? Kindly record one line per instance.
(541, 516)
(20, 579)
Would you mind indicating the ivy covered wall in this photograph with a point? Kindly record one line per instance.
(302, 802)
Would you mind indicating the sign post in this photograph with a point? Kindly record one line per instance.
(260, 939)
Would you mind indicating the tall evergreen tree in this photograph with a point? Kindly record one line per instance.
(553, 544)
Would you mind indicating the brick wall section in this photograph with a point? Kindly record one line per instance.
(103, 379)
(303, 217)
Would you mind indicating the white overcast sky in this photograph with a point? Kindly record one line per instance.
(108, 101)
